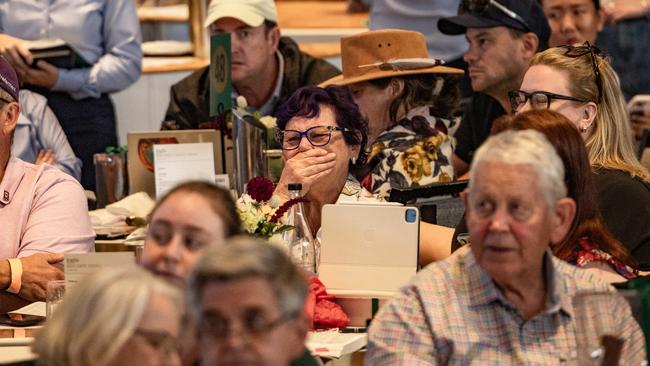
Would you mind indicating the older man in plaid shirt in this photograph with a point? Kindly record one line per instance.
(506, 300)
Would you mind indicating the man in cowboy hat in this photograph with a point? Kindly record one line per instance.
(43, 212)
(409, 106)
(266, 68)
(503, 36)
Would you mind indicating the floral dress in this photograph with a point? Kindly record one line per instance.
(588, 253)
(416, 152)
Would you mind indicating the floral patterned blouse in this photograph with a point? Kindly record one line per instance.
(587, 253)
(416, 152)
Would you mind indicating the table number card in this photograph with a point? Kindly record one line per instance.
(79, 265)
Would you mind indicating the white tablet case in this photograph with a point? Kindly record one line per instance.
(368, 250)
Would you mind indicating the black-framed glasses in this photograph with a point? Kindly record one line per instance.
(253, 325)
(594, 52)
(317, 136)
(480, 7)
(538, 99)
(161, 341)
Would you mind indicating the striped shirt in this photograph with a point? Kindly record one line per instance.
(452, 313)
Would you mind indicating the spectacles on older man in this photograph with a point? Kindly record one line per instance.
(254, 324)
(594, 52)
(538, 99)
(317, 136)
(480, 7)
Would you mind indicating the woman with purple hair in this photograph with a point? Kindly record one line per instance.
(323, 137)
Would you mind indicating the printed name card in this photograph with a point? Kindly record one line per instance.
(176, 163)
(79, 265)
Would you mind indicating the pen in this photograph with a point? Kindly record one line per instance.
(352, 330)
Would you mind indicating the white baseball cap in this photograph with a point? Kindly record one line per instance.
(251, 12)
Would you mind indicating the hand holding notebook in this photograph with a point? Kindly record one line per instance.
(56, 52)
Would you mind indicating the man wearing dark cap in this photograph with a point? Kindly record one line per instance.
(43, 213)
(503, 36)
(266, 68)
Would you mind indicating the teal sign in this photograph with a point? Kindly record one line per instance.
(220, 75)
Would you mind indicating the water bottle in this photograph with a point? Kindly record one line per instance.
(299, 240)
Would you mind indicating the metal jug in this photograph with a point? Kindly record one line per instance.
(249, 145)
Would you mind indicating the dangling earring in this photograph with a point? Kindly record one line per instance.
(353, 160)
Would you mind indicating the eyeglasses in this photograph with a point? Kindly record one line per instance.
(254, 324)
(538, 99)
(586, 48)
(480, 7)
(161, 341)
(317, 136)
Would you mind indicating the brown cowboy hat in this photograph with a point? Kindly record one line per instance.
(386, 53)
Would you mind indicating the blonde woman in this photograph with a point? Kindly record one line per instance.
(579, 82)
(114, 317)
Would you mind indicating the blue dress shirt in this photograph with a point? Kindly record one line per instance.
(105, 32)
(38, 129)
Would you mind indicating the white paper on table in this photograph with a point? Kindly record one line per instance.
(176, 163)
(79, 265)
(35, 308)
(222, 180)
(333, 344)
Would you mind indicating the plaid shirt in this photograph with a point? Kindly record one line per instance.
(453, 314)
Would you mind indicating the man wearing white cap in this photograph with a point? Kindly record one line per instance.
(266, 68)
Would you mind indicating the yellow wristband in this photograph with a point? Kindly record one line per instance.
(16, 267)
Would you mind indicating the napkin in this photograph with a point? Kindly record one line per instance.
(138, 204)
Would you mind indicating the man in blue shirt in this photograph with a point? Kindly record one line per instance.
(106, 34)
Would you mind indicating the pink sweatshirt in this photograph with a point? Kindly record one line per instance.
(42, 210)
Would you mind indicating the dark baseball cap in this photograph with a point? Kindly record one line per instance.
(486, 14)
(8, 79)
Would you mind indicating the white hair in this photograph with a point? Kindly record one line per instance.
(98, 316)
(525, 147)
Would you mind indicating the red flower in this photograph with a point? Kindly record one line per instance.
(285, 207)
(260, 189)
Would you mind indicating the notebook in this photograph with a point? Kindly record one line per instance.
(56, 52)
(140, 156)
(368, 250)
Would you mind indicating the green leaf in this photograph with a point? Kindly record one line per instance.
(282, 229)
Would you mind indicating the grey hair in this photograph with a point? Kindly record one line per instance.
(99, 315)
(246, 257)
(525, 147)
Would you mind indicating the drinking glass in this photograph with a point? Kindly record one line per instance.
(54, 292)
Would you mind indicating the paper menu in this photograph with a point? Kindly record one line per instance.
(332, 344)
(35, 308)
(176, 163)
(79, 265)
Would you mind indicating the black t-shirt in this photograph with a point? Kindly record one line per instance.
(476, 125)
(625, 205)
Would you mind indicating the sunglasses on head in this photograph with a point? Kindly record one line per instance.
(594, 52)
(480, 7)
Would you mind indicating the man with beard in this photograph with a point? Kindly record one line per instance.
(503, 36)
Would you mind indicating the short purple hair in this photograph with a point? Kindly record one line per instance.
(307, 101)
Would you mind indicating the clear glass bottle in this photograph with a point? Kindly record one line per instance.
(300, 242)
